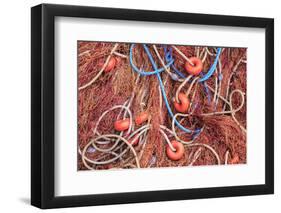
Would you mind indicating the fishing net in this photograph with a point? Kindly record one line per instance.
(212, 131)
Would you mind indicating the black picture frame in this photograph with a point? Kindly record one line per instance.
(43, 102)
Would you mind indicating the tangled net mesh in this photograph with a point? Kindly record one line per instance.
(217, 107)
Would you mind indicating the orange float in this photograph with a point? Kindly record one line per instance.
(122, 125)
(194, 69)
(178, 153)
(134, 141)
(184, 103)
(234, 160)
(141, 118)
(111, 64)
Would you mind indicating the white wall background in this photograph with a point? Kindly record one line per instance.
(15, 105)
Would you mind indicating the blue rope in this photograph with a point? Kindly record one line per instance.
(212, 68)
(157, 72)
(169, 59)
(207, 91)
(143, 72)
(178, 72)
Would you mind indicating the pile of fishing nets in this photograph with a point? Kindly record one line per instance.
(142, 106)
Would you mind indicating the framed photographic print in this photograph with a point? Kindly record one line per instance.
(139, 106)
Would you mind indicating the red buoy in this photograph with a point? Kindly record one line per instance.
(178, 153)
(134, 140)
(141, 118)
(122, 125)
(111, 64)
(184, 103)
(194, 69)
